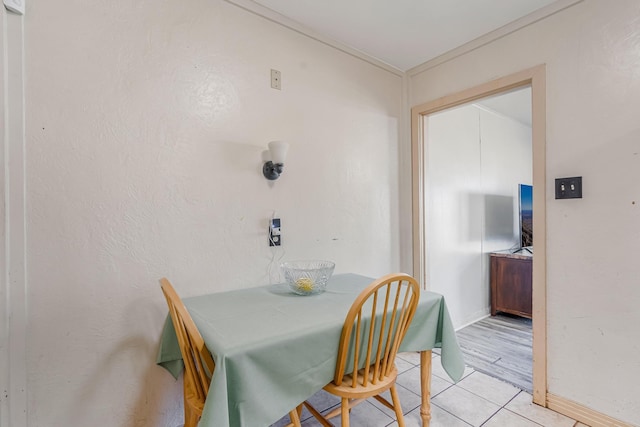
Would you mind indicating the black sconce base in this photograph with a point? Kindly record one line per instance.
(272, 171)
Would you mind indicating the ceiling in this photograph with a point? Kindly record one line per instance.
(515, 104)
(403, 33)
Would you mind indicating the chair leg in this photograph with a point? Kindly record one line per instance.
(396, 405)
(295, 416)
(191, 418)
(318, 416)
(345, 412)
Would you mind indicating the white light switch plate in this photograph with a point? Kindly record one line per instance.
(16, 6)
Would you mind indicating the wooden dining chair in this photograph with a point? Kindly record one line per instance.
(373, 330)
(198, 362)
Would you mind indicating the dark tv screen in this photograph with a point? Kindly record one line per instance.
(525, 197)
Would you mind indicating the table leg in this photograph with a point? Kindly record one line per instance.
(425, 387)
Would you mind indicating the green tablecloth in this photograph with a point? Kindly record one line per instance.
(274, 349)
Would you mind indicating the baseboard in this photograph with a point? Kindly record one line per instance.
(473, 318)
(582, 413)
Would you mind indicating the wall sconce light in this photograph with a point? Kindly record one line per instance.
(273, 159)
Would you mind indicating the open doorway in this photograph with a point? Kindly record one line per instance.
(478, 165)
(534, 78)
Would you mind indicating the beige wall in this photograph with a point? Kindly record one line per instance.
(593, 244)
(145, 126)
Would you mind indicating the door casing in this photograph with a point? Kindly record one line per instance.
(536, 78)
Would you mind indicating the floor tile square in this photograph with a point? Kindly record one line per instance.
(412, 357)
(403, 365)
(507, 418)
(408, 401)
(306, 419)
(364, 414)
(322, 401)
(439, 418)
(438, 370)
(522, 405)
(490, 388)
(411, 381)
(467, 406)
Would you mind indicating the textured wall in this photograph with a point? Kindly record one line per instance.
(593, 244)
(145, 124)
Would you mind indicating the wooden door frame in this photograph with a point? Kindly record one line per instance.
(536, 78)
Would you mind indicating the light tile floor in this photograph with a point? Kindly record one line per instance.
(476, 400)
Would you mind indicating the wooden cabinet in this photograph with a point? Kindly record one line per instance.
(511, 284)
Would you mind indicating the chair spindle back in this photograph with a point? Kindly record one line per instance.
(374, 329)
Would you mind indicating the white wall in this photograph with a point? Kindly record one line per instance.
(145, 125)
(475, 161)
(593, 244)
(506, 161)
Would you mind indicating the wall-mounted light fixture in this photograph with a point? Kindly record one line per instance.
(273, 159)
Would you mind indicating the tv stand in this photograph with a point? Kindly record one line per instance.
(511, 284)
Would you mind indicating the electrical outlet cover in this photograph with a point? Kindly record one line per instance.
(16, 6)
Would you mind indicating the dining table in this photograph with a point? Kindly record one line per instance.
(273, 348)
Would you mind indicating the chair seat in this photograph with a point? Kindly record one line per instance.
(362, 392)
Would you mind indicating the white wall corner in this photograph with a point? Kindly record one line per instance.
(499, 33)
(273, 16)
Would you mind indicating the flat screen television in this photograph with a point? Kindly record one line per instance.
(525, 203)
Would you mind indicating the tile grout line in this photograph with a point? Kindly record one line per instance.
(500, 407)
(520, 415)
(416, 367)
(453, 415)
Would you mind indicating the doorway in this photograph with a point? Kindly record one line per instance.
(478, 157)
(535, 78)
